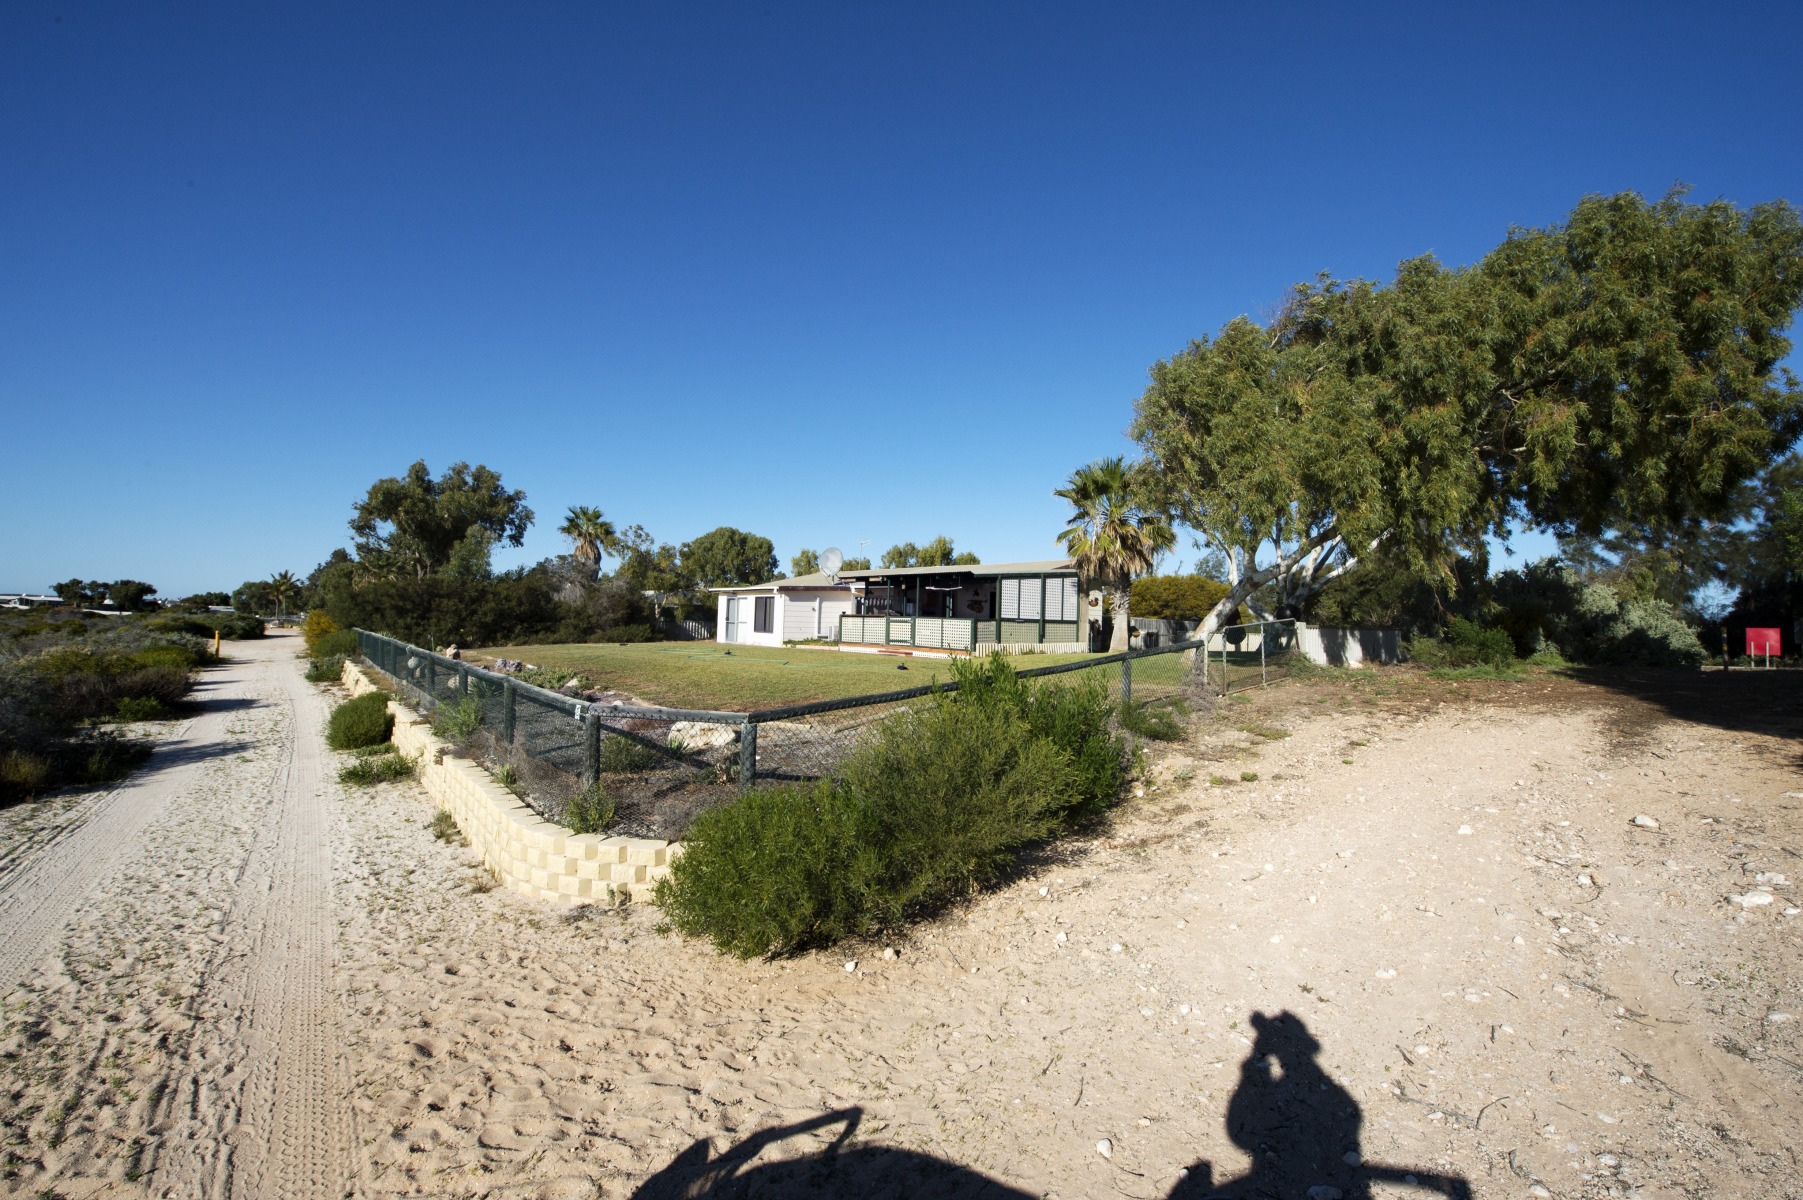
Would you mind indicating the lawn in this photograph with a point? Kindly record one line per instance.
(706, 675)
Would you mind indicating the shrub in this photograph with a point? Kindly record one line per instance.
(361, 721)
(326, 670)
(316, 628)
(1466, 644)
(1547, 606)
(140, 708)
(384, 768)
(621, 754)
(460, 721)
(1175, 597)
(937, 803)
(589, 811)
(444, 827)
(22, 775)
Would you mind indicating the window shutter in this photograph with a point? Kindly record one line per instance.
(1009, 610)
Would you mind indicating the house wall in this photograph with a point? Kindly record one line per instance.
(1338, 646)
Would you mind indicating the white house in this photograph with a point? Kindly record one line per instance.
(784, 610)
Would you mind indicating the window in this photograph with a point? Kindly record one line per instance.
(1061, 599)
(763, 616)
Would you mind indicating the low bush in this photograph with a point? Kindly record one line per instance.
(22, 775)
(1160, 720)
(361, 721)
(1465, 644)
(939, 802)
(342, 644)
(326, 670)
(623, 754)
(444, 827)
(459, 721)
(373, 751)
(589, 811)
(318, 626)
(374, 769)
(140, 708)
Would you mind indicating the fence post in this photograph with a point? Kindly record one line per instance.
(1262, 679)
(591, 754)
(431, 680)
(748, 754)
(1126, 683)
(508, 692)
(463, 680)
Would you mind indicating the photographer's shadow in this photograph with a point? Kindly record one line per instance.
(1299, 1126)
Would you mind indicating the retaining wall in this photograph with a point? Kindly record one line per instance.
(527, 853)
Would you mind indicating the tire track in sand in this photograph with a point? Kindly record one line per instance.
(263, 1111)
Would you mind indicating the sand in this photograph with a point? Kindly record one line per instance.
(278, 988)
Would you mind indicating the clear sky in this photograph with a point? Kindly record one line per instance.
(831, 273)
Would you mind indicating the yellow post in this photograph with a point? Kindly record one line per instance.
(215, 643)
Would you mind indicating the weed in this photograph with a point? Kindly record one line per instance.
(620, 754)
(1183, 774)
(1159, 720)
(374, 751)
(459, 722)
(507, 777)
(589, 811)
(1248, 776)
(1219, 781)
(377, 769)
(444, 827)
(326, 670)
(483, 883)
(1347, 761)
(1269, 733)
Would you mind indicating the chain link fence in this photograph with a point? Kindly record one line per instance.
(662, 766)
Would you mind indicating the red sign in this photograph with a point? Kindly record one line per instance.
(1762, 642)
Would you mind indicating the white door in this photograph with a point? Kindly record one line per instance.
(735, 619)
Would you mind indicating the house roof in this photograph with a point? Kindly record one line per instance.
(819, 581)
(1052, 566)
(815, 582)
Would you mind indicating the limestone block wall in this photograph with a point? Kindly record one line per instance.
(527, 853)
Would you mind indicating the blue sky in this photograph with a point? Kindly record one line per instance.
(830, 273)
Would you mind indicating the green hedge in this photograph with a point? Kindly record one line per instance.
(1175, 597)
(940, 801)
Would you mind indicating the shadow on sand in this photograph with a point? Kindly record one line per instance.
(1299, 1126)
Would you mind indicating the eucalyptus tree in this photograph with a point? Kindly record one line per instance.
(1113, 533)
(1622, 366)
(412, 525)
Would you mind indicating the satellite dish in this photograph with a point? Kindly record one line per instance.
(830, 562)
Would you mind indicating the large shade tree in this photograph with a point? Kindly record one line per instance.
(1619, 367)
(1113, 533)
(728, 557)
(413, 525)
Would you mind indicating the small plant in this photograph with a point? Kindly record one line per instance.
(1347, 761)
(386, 768)
(326, 670)
(550, 678)
(458, 723)
(444, 827)
(621, 754)
(140, 708)
(1269, 733)
(507, 777)
(374, 751)
(1155, 719)
(589, 811)
(1248, 776)
(483, 883)
(22, 774)
(1219, 781)
(316, 629)
(360, 721)
(1183, 774)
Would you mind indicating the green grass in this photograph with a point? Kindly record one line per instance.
(704, 675)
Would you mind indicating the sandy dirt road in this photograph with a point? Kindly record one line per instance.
(1425, 950)
(173, 1020)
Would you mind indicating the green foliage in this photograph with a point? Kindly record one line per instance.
(460, 720)
(589, 811)
(1160, 720)
(255, 597)
(230, 626)
(318, 626)
(360, 721)
(937, 553)
(591, 535)
(415, 525)
(805, 562)
(374, 751)
(131, 595)
(621, 754)
(377, 768)
(1549, 606)
(856, 564)
(444, 827)
(441, 610)
(22, 775)
(939, 802)
(140, 708)
(728, 557)
(1619, 368)
(1176, 597)
(326, 670)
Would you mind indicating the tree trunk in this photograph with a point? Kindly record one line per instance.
(1121, 639)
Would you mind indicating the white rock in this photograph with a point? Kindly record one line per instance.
(1520, 941)
(1060, 937)
(1791, 912)
(1183, 1009)
(1538, 1190)
(1777, 1018)
(851, 966)
(1608, 1160)
(1584, 881)
(1386, 972)
(1275, 938)
(1145, 1012)
(1045, 891)
(702, 735)
(1115, 949)
(1751, 899)
(1105, 1148)
(1464, 831)
(1775, 878)
(1606, 1119)
(888, 952)
(1645, 822)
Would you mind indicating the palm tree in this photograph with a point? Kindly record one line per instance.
(283, 588)
(1113, 535)
(591, 534)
